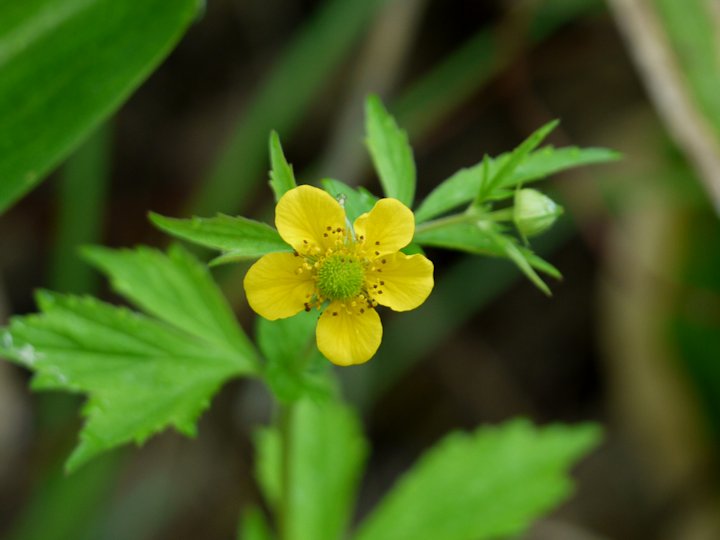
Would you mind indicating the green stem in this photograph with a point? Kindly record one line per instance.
(471, 216)
(285, 429)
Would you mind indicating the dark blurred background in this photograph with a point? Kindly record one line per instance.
(630, 338)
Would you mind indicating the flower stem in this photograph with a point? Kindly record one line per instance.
(471, 216)
(284, 421)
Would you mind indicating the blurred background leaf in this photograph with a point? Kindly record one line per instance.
(66, 66)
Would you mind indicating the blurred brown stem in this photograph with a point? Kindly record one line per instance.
(648, 45)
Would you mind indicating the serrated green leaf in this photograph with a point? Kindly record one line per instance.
(66, 66)
(238, 237)
(489, 183)
(294, 368)
(282, 178)
(177, 289)
(254, 526)
(390, 151)
(486, 238)
(462, 186)
(325, 460)
(356, 201)
(141, 375)
(484, 485)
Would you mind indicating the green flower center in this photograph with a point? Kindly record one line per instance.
(340, 277)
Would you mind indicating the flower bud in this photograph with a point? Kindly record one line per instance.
(534, 213)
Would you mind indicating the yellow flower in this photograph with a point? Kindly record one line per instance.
(349, 270)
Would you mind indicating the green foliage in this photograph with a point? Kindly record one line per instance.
(282, 178)
(490, 182)
(238, 238)
(356, 201)
(66, 66)
(483, 237)
(253, 526)
(142, 374)
(325, 457)
(692, 28)
(483, 485)
(462, 187)
(390, 152)
(294, 367)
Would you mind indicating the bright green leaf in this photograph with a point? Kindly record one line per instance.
(282, 178)
(177, 289)
(356, 201)
(486, 238)
(390, 152)
(66, 66)
(462, 186)
(238, 238)
(141, 375)
(489, 183)
(484, 485)
(294, 367)
(254, 526)
(325, 460)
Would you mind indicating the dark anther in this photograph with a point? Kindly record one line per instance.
(379, 292)
(334, 313)
(382, 283)
(329, 228)
(362, 310)
(307, 307)
(377, 253)
(325, 235)
(377, 242)
(384, 261)
(296, 253)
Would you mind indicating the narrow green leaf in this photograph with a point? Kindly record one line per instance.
(515, 255)
(486, 238)
(141, 375)
(484, 485)
(282, 178)
(177, 289)
(462, 186)
(238, 237)
(254, 526)
(390, 151)
(66, 66)
(490, 183)
(356, 201)
(325, 460)
(294, 368)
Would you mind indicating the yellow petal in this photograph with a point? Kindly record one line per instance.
(273, 287)
(348, 336)
(389, 226)
(401, 282)
(308, 218)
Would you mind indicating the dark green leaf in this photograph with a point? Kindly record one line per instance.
(485, 485)
(238, 237)
(462, 186)
(390, 152)
(282, 178)
(66, 66)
